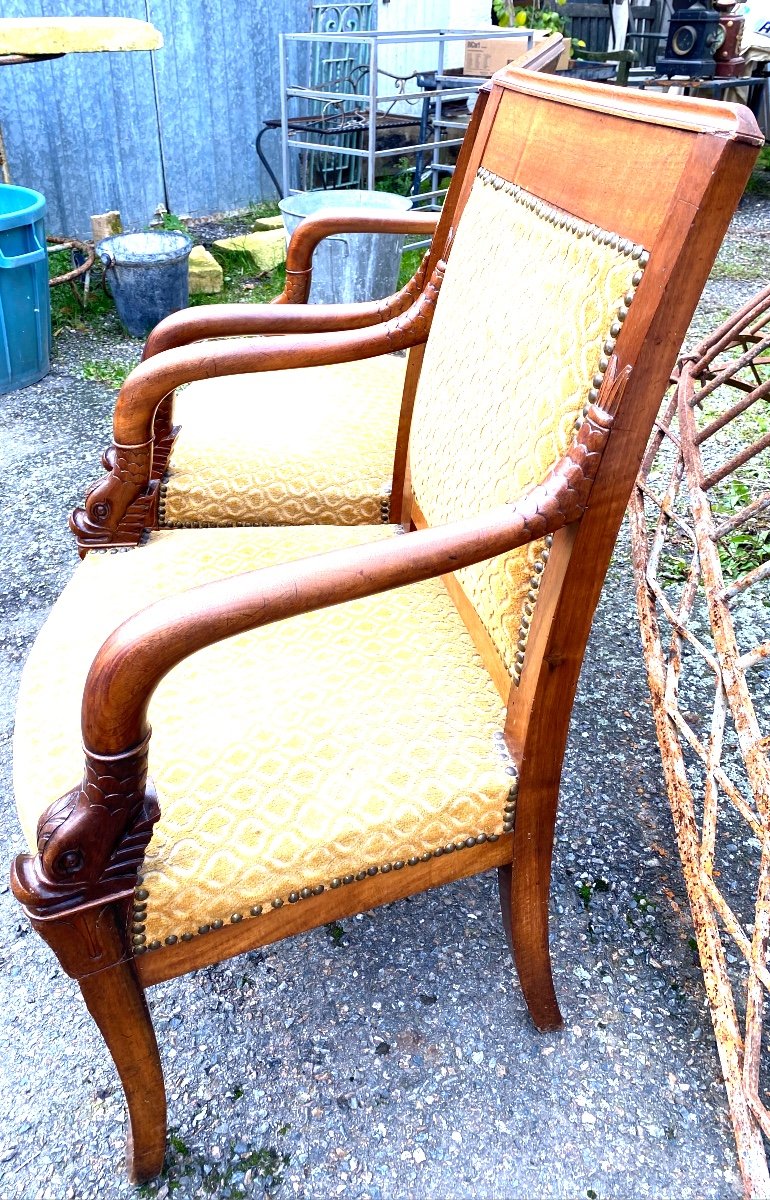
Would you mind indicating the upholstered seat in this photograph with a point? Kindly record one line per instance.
(292, 447)
(350, 739)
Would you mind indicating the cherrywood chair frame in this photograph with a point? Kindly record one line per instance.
(581, 146)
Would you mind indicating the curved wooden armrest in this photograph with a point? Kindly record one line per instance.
(288, 313)
(154, 378)
(313, 229)
(242, 320)
(91, 840)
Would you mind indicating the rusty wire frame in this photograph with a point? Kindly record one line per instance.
(700, 529)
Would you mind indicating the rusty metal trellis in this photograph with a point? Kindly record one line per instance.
(700, 528)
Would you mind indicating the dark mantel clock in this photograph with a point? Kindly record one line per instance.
(695, 36)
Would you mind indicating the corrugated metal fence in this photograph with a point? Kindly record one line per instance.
(134, 130)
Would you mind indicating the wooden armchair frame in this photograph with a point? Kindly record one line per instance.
(668, 173)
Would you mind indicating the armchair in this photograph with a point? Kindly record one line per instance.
(342, 717)
(311, 444)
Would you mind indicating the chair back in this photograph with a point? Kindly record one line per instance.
(563, 214)
(644, 34)
(588, 23)
(521, 336)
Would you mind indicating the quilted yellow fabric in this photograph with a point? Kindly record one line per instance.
(308, 446)
(500, 394)
(351, 738)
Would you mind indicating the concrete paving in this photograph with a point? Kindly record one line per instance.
(390, 1056)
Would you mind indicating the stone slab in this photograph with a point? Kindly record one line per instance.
(266, 247)
(263, 223)
(205, 274)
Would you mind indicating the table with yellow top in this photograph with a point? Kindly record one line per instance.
(36, 39)
(29, 39)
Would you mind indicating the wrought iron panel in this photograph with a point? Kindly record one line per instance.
(700, 521)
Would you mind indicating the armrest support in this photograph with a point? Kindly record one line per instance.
(87, 840)
(234, 320)
(313, 229)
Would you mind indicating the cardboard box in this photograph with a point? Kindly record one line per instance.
(484, 56)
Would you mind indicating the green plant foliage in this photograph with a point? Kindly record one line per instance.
(336, 932)
(533, 16)
(169, 221)
(747, 547)
(400, 181)
(228, 1177)
(586, 889)
(410, 261)
(675, 562)
(242, 284)
(67, 311)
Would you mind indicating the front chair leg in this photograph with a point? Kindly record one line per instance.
(527, 933)
(116, 1001)
(78, 891)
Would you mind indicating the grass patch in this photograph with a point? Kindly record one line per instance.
(242, 283)
(410, 261)
(233, 1176)
(251, 215)
(740, 261)
(105, 370)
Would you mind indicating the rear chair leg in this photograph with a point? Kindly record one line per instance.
(526, 927)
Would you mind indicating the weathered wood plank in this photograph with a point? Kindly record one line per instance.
(217, 80)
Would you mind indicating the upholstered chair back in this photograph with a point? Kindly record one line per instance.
(528, 312)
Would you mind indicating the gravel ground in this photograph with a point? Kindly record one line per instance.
(391, 1056)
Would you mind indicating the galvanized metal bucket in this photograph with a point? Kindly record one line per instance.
(147, 276)
(350, 267)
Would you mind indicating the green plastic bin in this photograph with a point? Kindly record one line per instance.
(25, 305)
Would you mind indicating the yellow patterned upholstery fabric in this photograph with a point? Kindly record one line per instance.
(500, 393)
(358, 737)
(312, 446)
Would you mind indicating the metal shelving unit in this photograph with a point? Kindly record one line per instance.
(325, 129)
